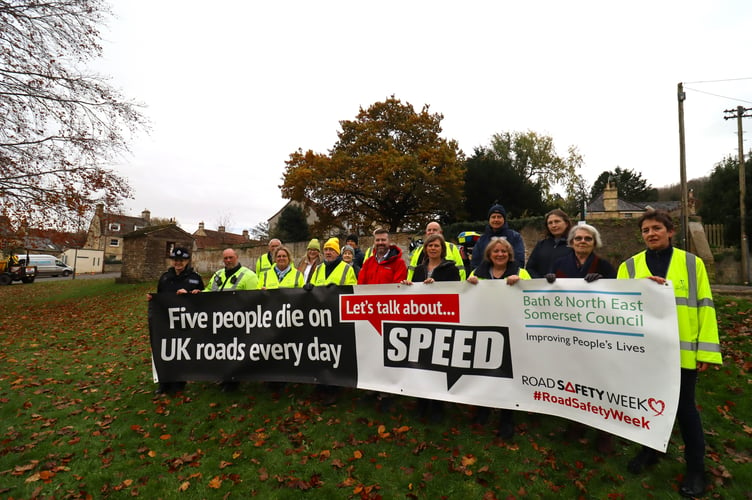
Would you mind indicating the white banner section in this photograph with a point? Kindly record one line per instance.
(605, 353)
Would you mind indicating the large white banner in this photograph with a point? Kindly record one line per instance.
(605, 353)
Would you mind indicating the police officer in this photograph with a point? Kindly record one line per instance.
(179, 279)
(698, 335)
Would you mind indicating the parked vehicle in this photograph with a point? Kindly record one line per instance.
(47, 265)
(11, 270)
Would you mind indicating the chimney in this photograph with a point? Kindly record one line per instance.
(221, 229)
(200, 231)
(146, 215)
(611, 197)
(99, 210)
(245, 235)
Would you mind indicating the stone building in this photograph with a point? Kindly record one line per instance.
(146, 251)
(608, 205)
(106, 231)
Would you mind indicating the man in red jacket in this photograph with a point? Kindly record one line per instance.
(385, 265)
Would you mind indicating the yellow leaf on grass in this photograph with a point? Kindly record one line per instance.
(215, 483)
(184, 485)
(358, 454)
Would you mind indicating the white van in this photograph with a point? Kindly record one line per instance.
(47, 265)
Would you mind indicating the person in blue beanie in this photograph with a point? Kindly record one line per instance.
(498, 227)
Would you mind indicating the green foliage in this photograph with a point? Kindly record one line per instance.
(720, 197)
(672, 192)
(79, 420)
(292, 225)
(630, 185)
(534, 157)
(489, 177)
(389, 166)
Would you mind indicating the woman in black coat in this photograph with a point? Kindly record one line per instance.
(179, 279)
(434, 267)
(553, 247)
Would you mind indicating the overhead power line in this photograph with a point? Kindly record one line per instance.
(738, 99)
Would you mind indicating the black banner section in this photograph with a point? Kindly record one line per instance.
(453, 349)
(291, 335)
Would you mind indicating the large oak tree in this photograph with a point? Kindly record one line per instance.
(389, 167)
(60, 126)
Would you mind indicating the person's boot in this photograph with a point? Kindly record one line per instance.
(506, 424)
(693, 484)
(644, 459)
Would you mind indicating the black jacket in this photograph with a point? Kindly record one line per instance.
(569, 267)
(446, 271)
(484, 270)
(545, 254)
(188, 279)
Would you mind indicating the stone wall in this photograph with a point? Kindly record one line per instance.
(621, 239)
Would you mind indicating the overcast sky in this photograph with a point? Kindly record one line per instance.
(233, 88)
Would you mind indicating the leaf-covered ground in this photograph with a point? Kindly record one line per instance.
(80, 420)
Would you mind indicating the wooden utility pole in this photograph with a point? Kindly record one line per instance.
(738, 113)
(680, 95)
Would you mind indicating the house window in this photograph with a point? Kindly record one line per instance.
(114, 227)
(114, 242)
(168, 247)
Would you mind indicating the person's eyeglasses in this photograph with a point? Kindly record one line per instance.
(583, 238)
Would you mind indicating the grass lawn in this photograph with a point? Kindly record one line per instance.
(80, 420)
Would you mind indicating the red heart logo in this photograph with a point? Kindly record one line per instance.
(654, 404)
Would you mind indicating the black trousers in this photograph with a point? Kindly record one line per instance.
(690, 424)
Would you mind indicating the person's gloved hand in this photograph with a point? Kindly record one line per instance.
(590, 277)
(550, 277)
(308, 287)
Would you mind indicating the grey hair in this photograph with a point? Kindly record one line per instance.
(590, 229)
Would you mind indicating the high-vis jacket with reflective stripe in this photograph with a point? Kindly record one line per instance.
(343, 274)
(263, 263)
(269, 281)
(242, 279)
(698, 327)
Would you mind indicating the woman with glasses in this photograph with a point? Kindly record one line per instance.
(582, 262)
(498, 264)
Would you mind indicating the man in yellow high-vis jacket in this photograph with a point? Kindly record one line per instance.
(698, 335)
(452, 253)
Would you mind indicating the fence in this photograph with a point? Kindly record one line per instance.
(714, 233)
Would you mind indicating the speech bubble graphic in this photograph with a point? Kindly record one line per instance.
(455, 350)
(437, 308)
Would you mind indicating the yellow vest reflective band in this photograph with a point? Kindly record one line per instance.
(269, 280)
(452, 253)
(244, 279)
(698, 326)
(263, 264)
(343, 274)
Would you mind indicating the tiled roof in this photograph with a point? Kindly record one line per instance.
(217, 239)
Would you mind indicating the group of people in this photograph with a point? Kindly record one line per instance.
(567, 251)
